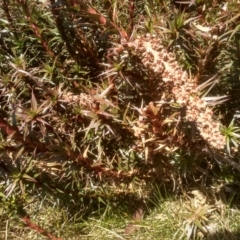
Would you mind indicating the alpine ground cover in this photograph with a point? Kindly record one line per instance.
(106, 105)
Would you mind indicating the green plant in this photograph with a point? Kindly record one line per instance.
(232, 136)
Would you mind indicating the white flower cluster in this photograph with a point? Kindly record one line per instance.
(83, 99)
(163, 64)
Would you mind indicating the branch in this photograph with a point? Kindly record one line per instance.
(38, 229)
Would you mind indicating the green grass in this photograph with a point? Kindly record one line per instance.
(165, 218)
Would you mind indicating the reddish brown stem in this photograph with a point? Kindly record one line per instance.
(35, 28)
(38, 229)
(16, 135)
(131, 15)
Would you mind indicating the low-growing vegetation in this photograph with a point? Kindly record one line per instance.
(119, 119)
